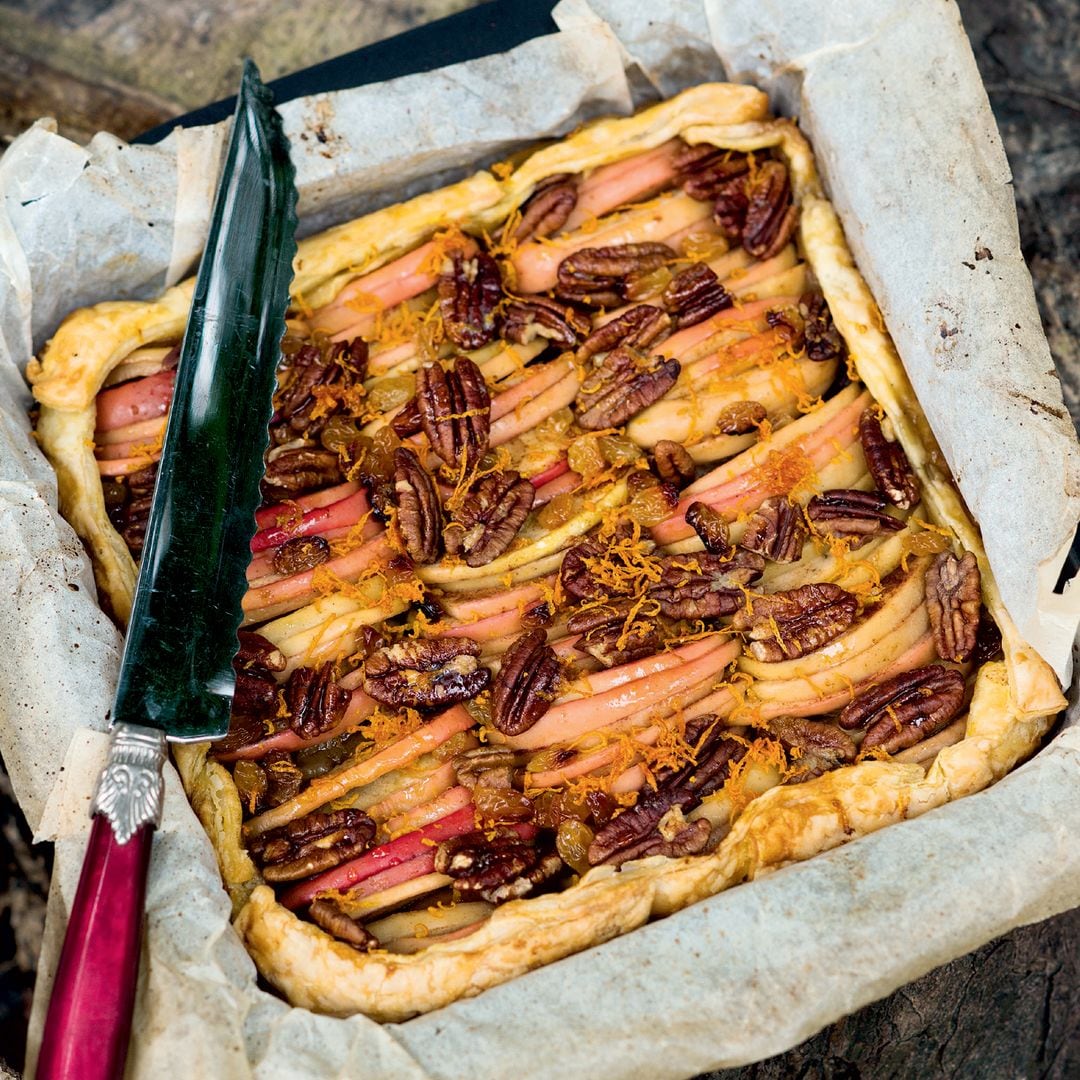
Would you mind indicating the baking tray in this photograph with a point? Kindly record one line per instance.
(483, 30)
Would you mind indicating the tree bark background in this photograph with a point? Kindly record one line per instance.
(1010, 1009)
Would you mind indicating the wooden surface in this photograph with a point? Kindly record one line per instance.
(1012, 1008)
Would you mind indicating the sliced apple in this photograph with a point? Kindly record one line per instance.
(622, 182)
(788, 282)
(608, 679)
(563, 723)
(834, 692)
(416, 792)
(353, 311)
(748, 318)
(535, 411)
(336, 785)
(431, 924)
(450, 801)
(688, 418)
(538, 568)
(536, 263)
(802, 449)
(881, 621)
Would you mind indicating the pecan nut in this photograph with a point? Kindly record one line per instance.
(673, 463)
(821, 338)
(729, 208)
(255, 694)
(888, 464)
(621, 387)
(776, 530)
(694, 295)
(704, 170)
(640, 327)
(620, 550)
(787, 625)
(298, 470)
(486, 523)
(469, 295)
(814, 747)
(526, 685)
(299, 554)
(328, 916)
(545, 211)
(704, 586)
(953, 602)
(654, 824)
(770, 216)
(602, 276)
(906, 709)
(419, 512)
(485, 766)
(846, 514)
(540, 316)
(408, 421)
(495, 868)
(425, 673)
(313, 844)
(337, 367)
(741, 417)
(711, 528)
(455, 411)
(132, 515)
(616, 632)
(316, 703)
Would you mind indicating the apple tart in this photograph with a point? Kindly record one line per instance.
(606, 561)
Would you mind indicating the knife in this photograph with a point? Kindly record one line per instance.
(176, 677)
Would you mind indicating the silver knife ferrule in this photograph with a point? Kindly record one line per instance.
(130, 791)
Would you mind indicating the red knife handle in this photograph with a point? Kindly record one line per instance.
(88, 1024)
(89, 1020)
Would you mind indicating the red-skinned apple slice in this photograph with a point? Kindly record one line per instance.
(528, 415)
(738, 486)
(126, 466)
(565, 484)
(292, 592)
(552, 472)
(431, 924)
(142, 399)
(448, 802)
(622, 182)
(147, 360)
(747, 317)
(280, 514)
(536, 263)
(140, 431)
(407, 276)
(360, 707)
(566, 722)
(414, 793)
(601, 681)
(343, 514)
(777, 388)
(794, 280)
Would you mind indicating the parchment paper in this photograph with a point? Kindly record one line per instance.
(727, 981)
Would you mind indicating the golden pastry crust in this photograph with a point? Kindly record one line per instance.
(1009, 712)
